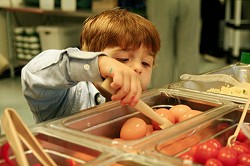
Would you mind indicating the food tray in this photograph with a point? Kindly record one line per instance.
(215, 125)
(102, 124)
(233, 70)
(130, 159)
(64, 149)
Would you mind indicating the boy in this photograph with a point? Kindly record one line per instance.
(116, 44)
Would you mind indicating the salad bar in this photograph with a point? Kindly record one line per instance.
(202, 123)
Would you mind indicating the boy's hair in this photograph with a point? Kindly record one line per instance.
(119, 27)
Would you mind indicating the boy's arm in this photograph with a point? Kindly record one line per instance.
(48, 81)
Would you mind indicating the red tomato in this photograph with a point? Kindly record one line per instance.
(240, 143)
(241, 136)
(215, 142)
(186, 156)
(133, 128)
(179, 110)
(247, 142)
(213, 162)
(192, 150)
(165, 113)
(240, 149)
(227, 156)
(71, 162)
(150, 129)
(188, 115)
(205, 151)
(244, 159)
(222, 126)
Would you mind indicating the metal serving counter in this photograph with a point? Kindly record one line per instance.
(90, 137)
(234, 70)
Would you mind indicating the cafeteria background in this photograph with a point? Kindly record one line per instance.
(25, 24)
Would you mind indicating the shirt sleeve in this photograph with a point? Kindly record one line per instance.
(49, 81)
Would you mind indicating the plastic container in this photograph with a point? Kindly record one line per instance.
(246, 129)
(59, 36)
(62, 148)
(103, 123)
(173, 143)
(68, 5)
(47, 4)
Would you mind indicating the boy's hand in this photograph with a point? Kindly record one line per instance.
(126, 82)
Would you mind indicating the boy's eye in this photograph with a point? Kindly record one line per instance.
(123, 60)
(146, 64)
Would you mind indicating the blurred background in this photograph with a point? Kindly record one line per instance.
(31, 26)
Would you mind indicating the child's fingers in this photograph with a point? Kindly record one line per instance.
(132, 95)
(137, 96)
(122, 86)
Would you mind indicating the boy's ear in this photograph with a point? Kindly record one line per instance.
(84, 47)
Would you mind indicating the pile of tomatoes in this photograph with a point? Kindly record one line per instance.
(213, 153)
(136, 128)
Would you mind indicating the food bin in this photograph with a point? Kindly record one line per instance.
(239, 71)
(130, 159)
(102, 124)
(216, 125)
(63, 148)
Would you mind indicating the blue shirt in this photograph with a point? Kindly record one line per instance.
(59, 82)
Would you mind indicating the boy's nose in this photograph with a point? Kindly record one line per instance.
(137, 67)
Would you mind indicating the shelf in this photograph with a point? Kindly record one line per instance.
(235, 23)
(56, 11)
(10, 12)
(244, 25)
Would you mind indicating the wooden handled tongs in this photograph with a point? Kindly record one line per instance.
(141, 107)
(16, 130)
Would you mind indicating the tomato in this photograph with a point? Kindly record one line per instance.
(240, 143)
(150, 130)
(227, 156)
(247, 142)
(244, 159)
(165, 113)
(133, 128)
(5, 154)
(240, 149)
(222, 126)
(241, 136)
(205, 151)
(71, 162)
(213, 162)
(215, 142)
(188, 115)
(186, 156)
(179, 110)
(192, 150)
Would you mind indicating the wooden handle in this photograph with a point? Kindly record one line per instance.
(141, 107)
(15, 128)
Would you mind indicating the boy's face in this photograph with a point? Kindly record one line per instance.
(140, 60)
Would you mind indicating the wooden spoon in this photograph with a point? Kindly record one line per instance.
(141, 107)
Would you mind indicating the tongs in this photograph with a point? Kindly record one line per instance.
(16, 130)
(211, 78)
(142, 107)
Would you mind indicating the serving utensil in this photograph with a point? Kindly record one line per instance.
(16, 130)
(141, 107)
(211, 78)
(233, 137)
